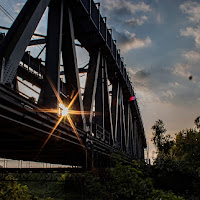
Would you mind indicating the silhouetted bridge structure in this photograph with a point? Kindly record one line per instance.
(108, 121)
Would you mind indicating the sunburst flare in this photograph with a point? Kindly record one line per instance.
(52, 131)
(63, 111)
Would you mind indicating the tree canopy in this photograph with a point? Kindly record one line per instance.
(162, 141)
(177, 166)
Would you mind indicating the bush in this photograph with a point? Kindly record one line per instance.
(126, 181)
(10, 189)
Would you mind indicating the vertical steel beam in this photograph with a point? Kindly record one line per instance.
(119, 122)
(99, 98)
(53, 53)
(91, 85)
(127, 122)
(120, 125)
(115, 108)
(139, 146)
(108, 114)
(131, 138)
(19, 35)
(135, 136)
(71, 66)
(124, 131)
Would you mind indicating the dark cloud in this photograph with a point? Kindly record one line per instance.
(125, 15)
(142, 74)
(128, 41)
(125, 7)
(126, 12)
(164, 85)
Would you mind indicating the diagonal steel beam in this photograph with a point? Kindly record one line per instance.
(70, 64)
(91, 85)
(19, 35)
(53, 53)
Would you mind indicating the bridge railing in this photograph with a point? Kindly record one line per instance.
(98, 22)
(102, 134)
(106, 35)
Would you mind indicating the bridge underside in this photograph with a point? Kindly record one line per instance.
(24, 131)
(22, 134)
(108, 122)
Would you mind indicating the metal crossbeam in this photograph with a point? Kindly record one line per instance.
(14, 45)
(37, 42)
(107, 122)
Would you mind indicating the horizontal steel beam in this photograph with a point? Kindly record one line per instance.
(35, 34)
(37, 42)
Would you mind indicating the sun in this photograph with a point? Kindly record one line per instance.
(63, 110)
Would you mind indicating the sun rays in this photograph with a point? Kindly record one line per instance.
(63, 111)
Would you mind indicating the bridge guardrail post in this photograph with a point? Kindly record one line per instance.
(2, 70)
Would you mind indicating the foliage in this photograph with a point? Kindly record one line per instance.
(171, 174)
(159, 194)
(197, 122)
(128, 182)
(177, 166)
(187, 147)
(10, 189)
(125, 181)
(162, 142)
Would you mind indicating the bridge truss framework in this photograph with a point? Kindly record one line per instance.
(112, 124)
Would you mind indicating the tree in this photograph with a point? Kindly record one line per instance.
(187, 148)
(162, 142)
(160, 195)
(10, 189)
(179, 169)
(197, 122)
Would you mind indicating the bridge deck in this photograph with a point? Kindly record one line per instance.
(23, 132)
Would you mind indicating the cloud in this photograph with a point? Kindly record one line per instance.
(181, 70)
(192, 9)
(135, 43)
(18, 7)
(140, 79)
(126, 6)
(192, 56)
(134, 21)
(168, 94)
(125, 15)
(153, 78)
(158, 18)
(169, 85)
(128, 41)
(192, 32)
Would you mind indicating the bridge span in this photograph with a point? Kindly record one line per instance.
(67, 124)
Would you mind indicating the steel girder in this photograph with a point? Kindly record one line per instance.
(13, 46)
(112, 119)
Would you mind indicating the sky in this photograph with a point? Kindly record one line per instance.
(160, 43)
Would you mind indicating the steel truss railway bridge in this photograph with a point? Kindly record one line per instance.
(108, 122)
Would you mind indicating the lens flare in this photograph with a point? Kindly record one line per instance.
(54, 128)
(63, 110)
